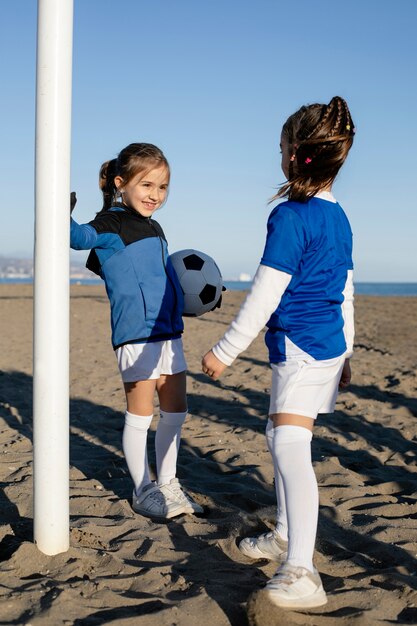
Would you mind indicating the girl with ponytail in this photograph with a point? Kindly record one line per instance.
(303, 293)
(129, 252)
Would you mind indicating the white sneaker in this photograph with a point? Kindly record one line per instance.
(154, 502)
(190, 505)
(296, 588)
(266, 546)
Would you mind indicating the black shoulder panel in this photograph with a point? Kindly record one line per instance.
(134, 227)
(107, 222)
(126, 222)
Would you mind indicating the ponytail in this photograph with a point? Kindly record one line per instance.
(108, 171)
(319, 138)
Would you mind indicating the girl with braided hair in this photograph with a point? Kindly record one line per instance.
(129, 252)
(303, 293)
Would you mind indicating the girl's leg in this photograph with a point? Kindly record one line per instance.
(173, 403)
(139, 397)
(292, 454)
(171, 390)
(272, 544)
(281, 523)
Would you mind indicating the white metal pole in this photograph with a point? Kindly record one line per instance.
(51, 278)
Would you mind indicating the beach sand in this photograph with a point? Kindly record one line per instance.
(125, 569)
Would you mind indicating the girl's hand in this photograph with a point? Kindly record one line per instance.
(73, 200)
(346, 375)
(212, 366)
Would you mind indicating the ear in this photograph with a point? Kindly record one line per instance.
(118, 181)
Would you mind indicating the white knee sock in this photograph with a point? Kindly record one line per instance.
(292, 450)
(167, 443)
(134, 440)
(282, 524)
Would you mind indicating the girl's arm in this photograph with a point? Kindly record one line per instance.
(94, 234)
(348, 314)
(348, 328)
(345, 376)
(263, 299)
(82, 236)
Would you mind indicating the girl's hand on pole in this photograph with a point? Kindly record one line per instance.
(346, 375)
(212, 366)
(73, 200)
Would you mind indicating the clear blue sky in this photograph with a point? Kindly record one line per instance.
(211, 83)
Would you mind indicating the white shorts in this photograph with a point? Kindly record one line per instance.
(305, 387)
(147, 361)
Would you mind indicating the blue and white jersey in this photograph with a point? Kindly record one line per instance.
(130, 254)
(312, 242)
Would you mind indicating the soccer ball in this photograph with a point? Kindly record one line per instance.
(200, 280)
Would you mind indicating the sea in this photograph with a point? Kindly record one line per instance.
(366, 289)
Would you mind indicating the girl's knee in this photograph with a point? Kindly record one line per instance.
(172, 393)
(292, 448)
(291, 419)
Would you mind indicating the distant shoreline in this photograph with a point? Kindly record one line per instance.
(361, 288)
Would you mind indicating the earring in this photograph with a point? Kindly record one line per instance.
(117, 196)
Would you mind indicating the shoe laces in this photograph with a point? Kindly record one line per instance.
(288, 574)
(175, 485)
(263, 537)
(157, 497)
(178, 491)
(269, 535)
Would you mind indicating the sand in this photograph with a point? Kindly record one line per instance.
(125, 569)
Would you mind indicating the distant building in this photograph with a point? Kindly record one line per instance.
(22, 269)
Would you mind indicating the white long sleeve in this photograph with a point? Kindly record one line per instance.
(268, 287)
(348, 314)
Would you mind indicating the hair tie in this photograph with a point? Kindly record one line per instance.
(292, 157)
(308, 160)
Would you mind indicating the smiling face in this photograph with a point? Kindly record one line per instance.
(145, 192)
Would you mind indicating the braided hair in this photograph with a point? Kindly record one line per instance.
(136, 158)
(319, 137)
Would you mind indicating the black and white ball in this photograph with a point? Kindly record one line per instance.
(200, 280)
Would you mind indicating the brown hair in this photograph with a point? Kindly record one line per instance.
(319, 138)
(136, 158)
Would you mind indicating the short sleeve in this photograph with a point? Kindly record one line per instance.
(286, 240)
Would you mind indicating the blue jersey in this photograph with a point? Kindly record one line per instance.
(130, 253)
(312, 241)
